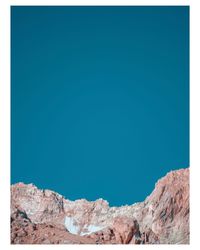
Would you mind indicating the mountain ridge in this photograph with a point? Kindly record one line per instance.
(162, 218)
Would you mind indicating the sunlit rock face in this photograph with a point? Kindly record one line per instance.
(45, 217)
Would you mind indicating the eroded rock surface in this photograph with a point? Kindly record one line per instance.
(45, 217)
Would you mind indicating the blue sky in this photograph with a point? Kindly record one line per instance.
(100, 99)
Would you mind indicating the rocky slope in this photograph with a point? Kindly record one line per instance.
(45, 217)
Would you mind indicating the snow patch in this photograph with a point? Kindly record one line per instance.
(72, 226)
(91, 229)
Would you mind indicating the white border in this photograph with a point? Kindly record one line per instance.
(5, 114)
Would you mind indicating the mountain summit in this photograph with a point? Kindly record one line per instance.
(46, 217)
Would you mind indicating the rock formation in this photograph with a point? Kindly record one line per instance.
(45, 217)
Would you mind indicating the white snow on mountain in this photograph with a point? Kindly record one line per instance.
(72, 226)
(91, 229)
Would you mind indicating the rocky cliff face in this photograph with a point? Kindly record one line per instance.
(45, 217)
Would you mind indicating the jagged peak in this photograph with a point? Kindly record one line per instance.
(162, 218)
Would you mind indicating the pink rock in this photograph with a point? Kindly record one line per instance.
(124, 229)
(38, 216)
